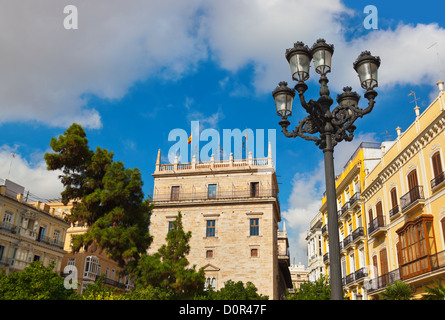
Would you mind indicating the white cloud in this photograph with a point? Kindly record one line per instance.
(32, 175)
(49, 73)
(304, 201)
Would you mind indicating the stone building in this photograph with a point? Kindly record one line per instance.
(232, 209)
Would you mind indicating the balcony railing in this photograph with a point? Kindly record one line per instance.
(394, 211)
(376, 224)
(383, 280)
(354, 198)
(423, 265)
(220, 195)
(345, 207)
(347, 241)
(51, 242)
(8, 227)
(437, 180)
(411, 196)
(355, 276)
(357, 233)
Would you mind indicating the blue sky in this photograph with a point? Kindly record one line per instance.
(132, 72)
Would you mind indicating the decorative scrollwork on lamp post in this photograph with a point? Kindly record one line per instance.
(325, 127)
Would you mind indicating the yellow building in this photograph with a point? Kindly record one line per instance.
(351, 220)
(405, 205)
(92, 262)
(28, 231)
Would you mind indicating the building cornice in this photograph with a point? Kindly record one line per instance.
(404, 156)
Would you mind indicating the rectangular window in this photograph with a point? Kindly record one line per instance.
(254, 227)
(254, 252)
(210, 230)
(211, 194)
(171, 226)
(7, 217)
(56, 236)
(254, 189)
(209, 254)
(174, 193)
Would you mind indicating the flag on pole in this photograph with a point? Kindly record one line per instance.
(190, 139)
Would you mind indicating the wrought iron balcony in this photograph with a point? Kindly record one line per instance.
(357, 233)
(394, 211)
(355, 198)
(412, 197)
(383, 280)
(51, 242)
(436, 181)
(376, 226)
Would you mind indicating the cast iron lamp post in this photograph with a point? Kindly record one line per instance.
(332, 126)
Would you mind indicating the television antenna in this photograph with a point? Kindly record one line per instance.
(415, 99)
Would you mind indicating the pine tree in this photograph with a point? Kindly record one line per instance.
(168, 268)
(105, 195)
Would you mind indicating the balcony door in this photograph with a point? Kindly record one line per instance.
(412, 186)
(384, 266)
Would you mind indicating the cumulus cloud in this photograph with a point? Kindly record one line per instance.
(304, 201)
(49, 73)
(31, 174)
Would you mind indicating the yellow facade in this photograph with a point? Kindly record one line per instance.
(29, 232)
(351, 220)
(405, 205)
(89, 263)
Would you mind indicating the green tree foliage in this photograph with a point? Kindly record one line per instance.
(106, 196)
(167, 270)
(318, 290)
(436, 292)
(398, 290)
(97, 291)
(35, 282)
(234, 291)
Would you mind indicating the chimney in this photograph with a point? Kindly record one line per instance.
(399, 132)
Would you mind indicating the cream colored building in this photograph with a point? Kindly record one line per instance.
(405, 205)
(299, 275)
(28, 231)
(92, 262)
(314, 239)
(232, 209)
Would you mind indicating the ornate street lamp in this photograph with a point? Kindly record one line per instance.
(332, 127)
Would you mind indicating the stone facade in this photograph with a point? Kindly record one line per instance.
(232, 209)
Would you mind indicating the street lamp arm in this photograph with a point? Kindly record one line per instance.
(304, 127)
